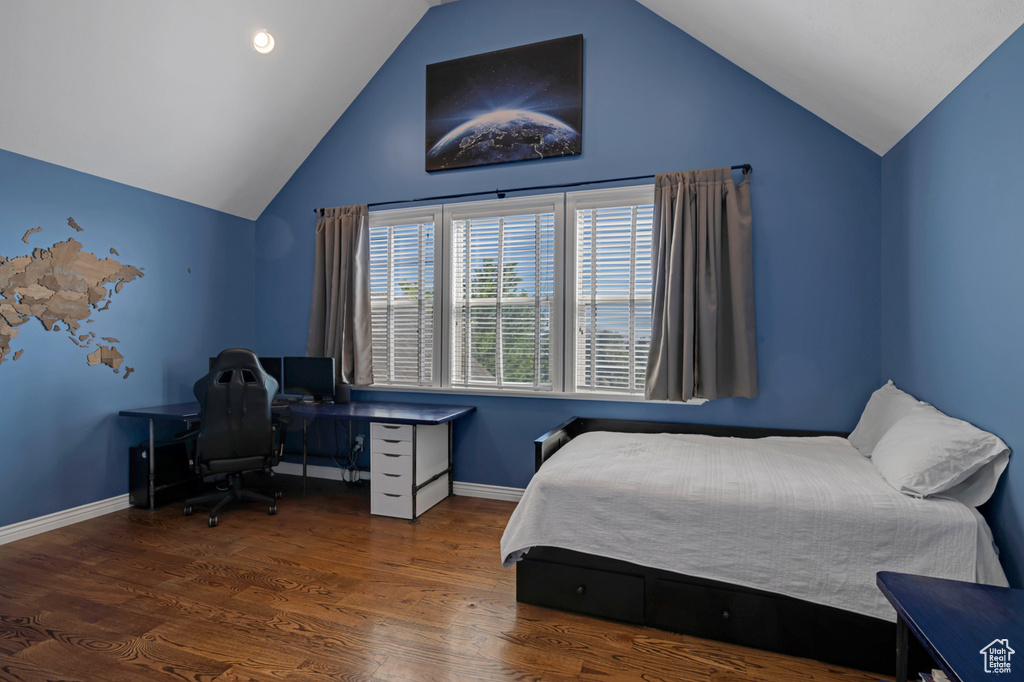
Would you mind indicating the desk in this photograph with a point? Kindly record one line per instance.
(426, 463)
(374, 412)
(956, 621)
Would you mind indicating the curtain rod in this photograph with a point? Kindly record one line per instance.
(746, 167)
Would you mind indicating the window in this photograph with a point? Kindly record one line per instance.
(612, 289)
(503, 311)
(544, 294)
(402, 302)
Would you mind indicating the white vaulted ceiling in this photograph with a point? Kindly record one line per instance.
(872, 68)
(168, 96)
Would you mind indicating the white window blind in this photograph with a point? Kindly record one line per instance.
(503, 280)
(612, 296)
(402, 302)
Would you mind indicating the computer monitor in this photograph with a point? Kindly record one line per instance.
(271, 366)
(309, 376)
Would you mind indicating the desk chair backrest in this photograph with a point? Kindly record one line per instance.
(236, 431)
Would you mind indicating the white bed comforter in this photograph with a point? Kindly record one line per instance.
(806, 517)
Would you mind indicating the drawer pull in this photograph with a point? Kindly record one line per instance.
(394, 475)
(391, 426)
(725, 614)
(391, 495)
(388, 440)
(581, 589)
(388, 454)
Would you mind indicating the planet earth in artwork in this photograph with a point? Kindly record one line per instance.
(504, 135)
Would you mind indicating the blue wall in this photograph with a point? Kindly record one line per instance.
(61, 443)
(952, 281)
(655, 101)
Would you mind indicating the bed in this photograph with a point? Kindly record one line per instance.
(761, 537)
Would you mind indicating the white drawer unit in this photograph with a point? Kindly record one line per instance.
(410, 468)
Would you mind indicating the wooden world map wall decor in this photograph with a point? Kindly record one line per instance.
(61, 287)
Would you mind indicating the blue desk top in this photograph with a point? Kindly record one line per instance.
(178, 412)
(391, 413)
(956, 620)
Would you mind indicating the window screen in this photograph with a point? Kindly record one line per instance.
(613, 297)
(402, 303)
(503, 289)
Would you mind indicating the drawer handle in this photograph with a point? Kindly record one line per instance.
(391, 495)
(391, 426)
(388, 454)
(394, 475)
(725, 614)
(581, 589)
(388, 440)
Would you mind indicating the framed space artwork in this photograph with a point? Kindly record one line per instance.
(511, 105)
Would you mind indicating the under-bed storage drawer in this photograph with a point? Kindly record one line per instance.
(618, 596)
(773, 622)
(750, 619)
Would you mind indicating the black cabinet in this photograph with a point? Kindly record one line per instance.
(174, 479)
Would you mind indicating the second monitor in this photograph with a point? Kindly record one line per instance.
(309, 376)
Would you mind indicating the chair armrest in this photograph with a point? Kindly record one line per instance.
(185, 435)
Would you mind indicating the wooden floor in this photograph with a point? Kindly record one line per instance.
(322, 591)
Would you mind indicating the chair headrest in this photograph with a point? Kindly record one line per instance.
(240, 358)
(245, 362)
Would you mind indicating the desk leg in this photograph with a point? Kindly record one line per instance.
(902, 648)
(415, 488)
(451, 459)
(152, 466)
(305, 422)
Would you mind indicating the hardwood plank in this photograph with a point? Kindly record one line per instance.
(322, 591)
(20, 632)
(57, 660)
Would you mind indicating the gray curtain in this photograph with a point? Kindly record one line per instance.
(339, 316)
(703, 339)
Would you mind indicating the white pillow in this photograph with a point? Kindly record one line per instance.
(929, 453)
(885, 407)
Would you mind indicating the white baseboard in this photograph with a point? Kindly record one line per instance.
(24, 529)
(491, 492)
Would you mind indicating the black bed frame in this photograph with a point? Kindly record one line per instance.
(622, 591)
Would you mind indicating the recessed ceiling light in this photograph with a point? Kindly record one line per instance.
(262, 42)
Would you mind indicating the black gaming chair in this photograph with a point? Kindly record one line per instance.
(236, 432)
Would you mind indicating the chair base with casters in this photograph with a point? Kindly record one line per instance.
(235, 493)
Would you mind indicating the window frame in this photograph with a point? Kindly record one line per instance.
(409, 216)
(500, 208)
(563, 349)
(641, 195)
